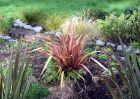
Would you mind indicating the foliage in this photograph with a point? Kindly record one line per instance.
(34, 16)
(54, 21)
(122, 26)
(68, 54)
(52, 73)
(114, 26)
(4, 25)
(95, 14)
(37, 91)
(14, 78)
(129, 76)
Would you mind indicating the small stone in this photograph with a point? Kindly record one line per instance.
(58, 34)
(6, 37)
(13, 40)
(28, 27)
(129, 49)
(100, 42)
(19, 23)
(122, 58)
(119, 47)
(113, 56)
(37, 29)
(137, 51)
(110, 44)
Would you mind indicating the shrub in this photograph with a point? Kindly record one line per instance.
(94, 14)
(54, 21)
(4, 25)
(121, 26)
(114, 26)
(14, 78)
(34, 16)
(82, 27)
(68, 54)
(37, 91)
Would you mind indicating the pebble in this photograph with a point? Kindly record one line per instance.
(100, 42)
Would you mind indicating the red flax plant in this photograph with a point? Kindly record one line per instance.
(68, 53)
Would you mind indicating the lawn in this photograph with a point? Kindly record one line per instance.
(12, 8)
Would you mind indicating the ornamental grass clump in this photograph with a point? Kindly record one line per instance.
(68, 53)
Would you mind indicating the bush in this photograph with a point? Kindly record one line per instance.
(82, 27)
(34, 16)
(4, 25)
(54, 21)
(121, 26)
(37, 91)
(94, 14)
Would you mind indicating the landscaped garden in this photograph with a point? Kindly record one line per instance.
(69, 49)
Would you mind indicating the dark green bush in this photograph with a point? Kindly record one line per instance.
(37, 91)
(34, 16)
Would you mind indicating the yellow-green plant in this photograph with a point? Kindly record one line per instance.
(54, 21)
(14, 78)
(4, 25)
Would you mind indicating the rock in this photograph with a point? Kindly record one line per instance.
(13, 40)
(119, 47)
(58, 34)
(122, 58)
(37, 29)
(100, 42)
(19, 23)
(137, 51)
(113, 56)
(6, 37)
(28, 27)
(110, 44)
(129, 49)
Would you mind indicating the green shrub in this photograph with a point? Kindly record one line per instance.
(52, 73)
(4, 25)
(121, 26)
(54, 21)
(37, 91)
(34, 16)
(114, 26)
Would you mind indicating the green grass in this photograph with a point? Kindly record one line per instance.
(12, 8)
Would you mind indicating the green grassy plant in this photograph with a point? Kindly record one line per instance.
(129, 75)
(14, 78)
(54, 21)
(34, 16)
